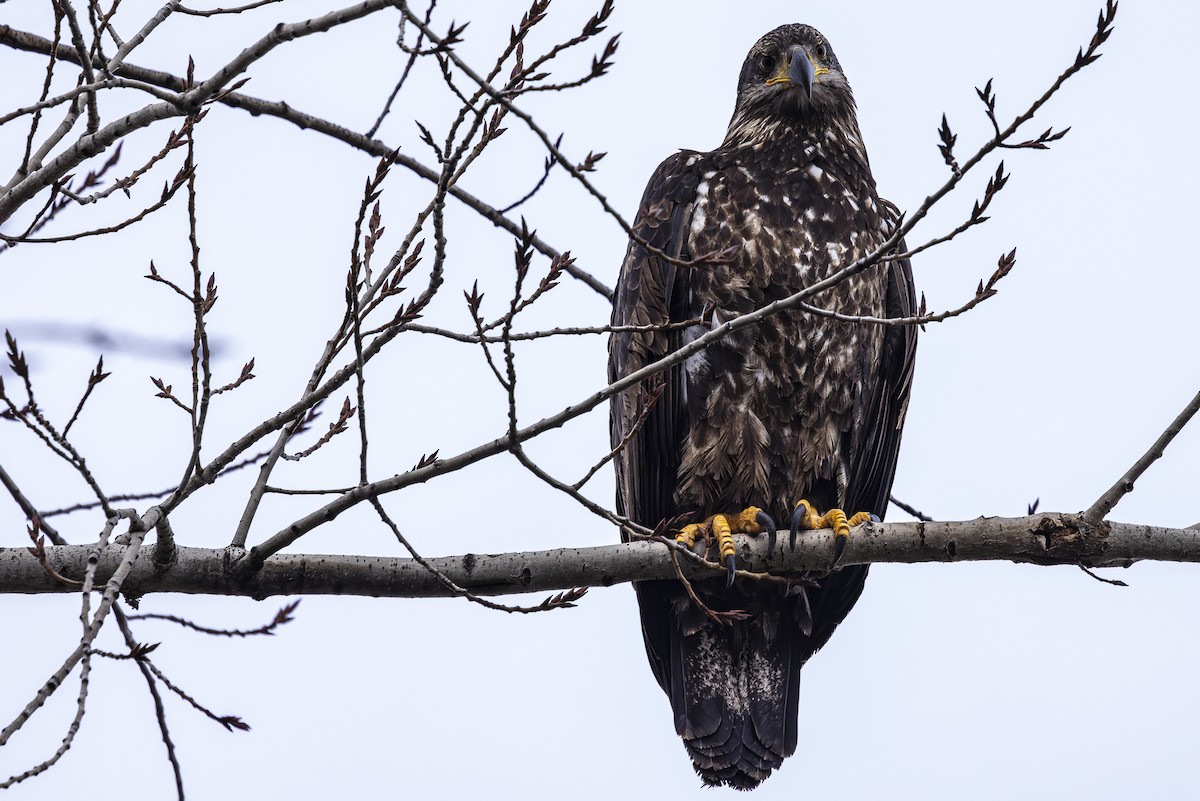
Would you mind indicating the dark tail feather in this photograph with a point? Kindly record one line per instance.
(735, 690)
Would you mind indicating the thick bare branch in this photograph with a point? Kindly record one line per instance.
(1044, 539)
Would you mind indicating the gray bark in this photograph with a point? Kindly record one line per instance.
(1044, 539)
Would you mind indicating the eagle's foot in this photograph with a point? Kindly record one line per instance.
(721, 528)
(807, 517)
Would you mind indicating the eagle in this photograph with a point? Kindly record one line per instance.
(796, 418)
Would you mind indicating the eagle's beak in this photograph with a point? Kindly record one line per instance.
(800, 69)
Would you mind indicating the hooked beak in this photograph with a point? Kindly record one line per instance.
(799, 70)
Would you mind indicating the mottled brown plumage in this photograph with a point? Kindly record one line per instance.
(800, 406)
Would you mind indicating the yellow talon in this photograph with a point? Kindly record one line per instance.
(722, 527)
(747, 521)
(807, 517)
(724, 536)
(687, 535)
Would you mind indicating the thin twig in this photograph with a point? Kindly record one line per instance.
(1106, 502)
(1102, 579)
(919, 515)
(160, 712)
(217, 11)
(650, 399)
(554, 602)
(29, 509)
(97, 375)
(282, 617)
(149, 496)
(412, 59)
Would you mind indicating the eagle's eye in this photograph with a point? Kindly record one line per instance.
(764, 63)
(822, 52)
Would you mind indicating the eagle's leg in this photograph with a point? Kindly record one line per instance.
(721, 528)
(807, 517)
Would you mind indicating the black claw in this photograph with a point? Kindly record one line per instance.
(767, 522)
(876, 518)
(797, 517)
(731, 570)
(839, 547)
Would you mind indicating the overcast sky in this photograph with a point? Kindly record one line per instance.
(983, 681)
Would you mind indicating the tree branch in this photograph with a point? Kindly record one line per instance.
(21, 40)
(1105, 503)
(1042, 539)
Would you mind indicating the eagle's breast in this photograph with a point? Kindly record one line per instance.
(772, 403)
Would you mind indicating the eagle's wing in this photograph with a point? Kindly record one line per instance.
(879, 416)
(652, 291)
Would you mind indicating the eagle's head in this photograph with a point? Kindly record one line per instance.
(791, 76)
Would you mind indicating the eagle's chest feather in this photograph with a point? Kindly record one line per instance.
(772, 403)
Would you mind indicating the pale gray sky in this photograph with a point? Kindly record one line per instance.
(946, 682)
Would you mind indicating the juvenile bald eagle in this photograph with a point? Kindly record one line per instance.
(800, 406)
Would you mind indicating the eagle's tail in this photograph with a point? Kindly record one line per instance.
(734, 690)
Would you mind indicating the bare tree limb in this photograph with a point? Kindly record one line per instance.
(1043, 539)
(1106, 502)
